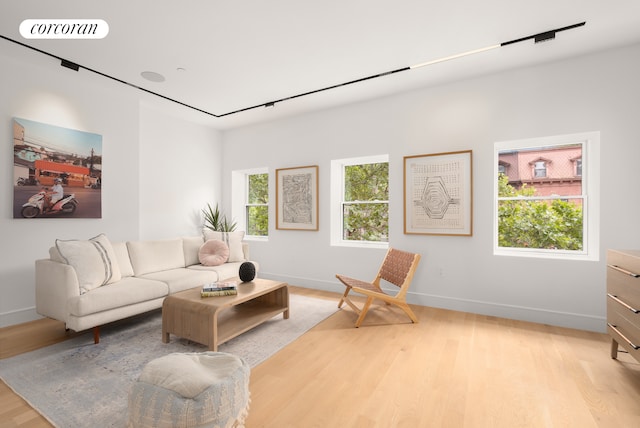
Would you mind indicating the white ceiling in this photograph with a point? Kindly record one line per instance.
(239, 54)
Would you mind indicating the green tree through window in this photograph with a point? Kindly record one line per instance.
(530, 223)
(365, 209)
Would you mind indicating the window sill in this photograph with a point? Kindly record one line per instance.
(361, 244)
(541, 254)
(256, 238)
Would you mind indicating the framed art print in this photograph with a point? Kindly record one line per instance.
(438, 192)
(297, 198)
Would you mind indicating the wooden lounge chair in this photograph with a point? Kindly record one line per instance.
(398, 269)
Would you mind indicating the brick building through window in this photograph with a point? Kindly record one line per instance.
(551, 171)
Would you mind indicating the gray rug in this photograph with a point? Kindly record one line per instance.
(78, 384)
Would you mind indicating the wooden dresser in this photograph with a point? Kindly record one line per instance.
(623, 301)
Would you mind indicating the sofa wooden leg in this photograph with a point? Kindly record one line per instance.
(96, 335)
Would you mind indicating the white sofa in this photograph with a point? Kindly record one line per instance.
(142, 274)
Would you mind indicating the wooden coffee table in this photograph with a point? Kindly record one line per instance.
(214, 320)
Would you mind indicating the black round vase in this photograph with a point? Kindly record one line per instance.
(247, 272)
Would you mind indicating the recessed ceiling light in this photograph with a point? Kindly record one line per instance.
(152, 76)
(181, 69)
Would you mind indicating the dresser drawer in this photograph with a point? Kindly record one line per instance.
(623, 325)
(627, 320)
(626, 259)
(624, 287)
(623, 340)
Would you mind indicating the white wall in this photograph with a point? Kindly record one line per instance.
(179, 172)
(595, 93)
(158, 171)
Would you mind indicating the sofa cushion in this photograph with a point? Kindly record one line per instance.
(126, 292)
(94, 261)
(191, 246)
(213, 253)
(155, 256)
(183, 278)
(233, 241)
(122, 255)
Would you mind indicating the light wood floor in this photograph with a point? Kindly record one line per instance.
(452, 369)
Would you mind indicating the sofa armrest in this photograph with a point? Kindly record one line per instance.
(56, 283)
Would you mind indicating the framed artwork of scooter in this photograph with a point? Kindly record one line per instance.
(57, 171)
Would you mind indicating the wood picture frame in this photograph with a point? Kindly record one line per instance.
(438, 194)
(297, 198)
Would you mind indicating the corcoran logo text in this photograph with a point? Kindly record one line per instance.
(64, 29)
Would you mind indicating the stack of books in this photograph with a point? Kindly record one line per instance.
(225, 288)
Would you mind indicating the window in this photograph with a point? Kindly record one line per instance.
(540, 169)
(250, 190)
(257, 205)
(556, 217)
(578, 163)
(360, 201)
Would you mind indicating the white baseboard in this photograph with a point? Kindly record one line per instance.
(18, 316)
(305, 282)
(522, 313)
(541, 316)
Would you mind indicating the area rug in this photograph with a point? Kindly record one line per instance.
(76, 383)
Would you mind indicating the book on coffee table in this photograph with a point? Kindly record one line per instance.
(220, 288)
(218, 293)
(220, 285)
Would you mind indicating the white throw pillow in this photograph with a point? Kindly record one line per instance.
(233, 241)
(191, 246)
(94, 261)
(122, 256)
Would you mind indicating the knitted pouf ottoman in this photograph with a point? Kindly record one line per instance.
(208, 389)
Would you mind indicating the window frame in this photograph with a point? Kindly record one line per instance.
(540, 169)
(338, 200)
(590, 196)
(578, 167)
(240, 202)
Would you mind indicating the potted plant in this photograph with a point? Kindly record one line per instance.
(215, 220)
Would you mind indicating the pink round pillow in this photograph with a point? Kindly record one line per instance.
(213, 253)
